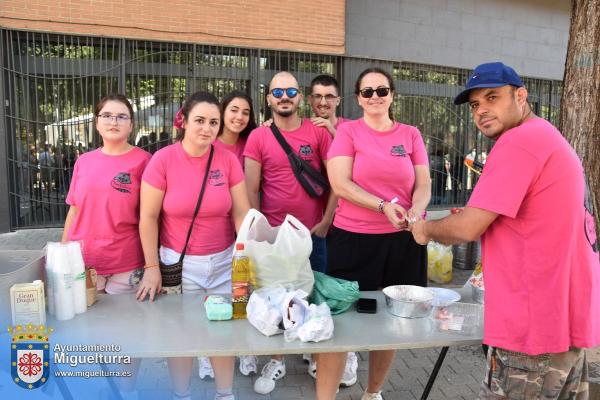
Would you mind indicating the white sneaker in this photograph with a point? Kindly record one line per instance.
(312, 368)
(349, 377)
(248, 365)
(371, 396)
(205, 368)
(271, 372)
(306, 357)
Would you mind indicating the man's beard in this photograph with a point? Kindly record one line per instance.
(285, 113)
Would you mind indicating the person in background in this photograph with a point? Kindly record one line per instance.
(104, 204)
(379, 170)
(533, 211)
(324, 100)
(237, 122)
(170, 188)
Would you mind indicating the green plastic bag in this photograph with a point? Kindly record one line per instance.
(339, 294)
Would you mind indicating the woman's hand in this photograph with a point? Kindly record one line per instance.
(150, 285)
(414, 214)
(396, 215)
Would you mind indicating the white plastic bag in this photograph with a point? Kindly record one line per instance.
(263, 312)
(276, 310)
(316, 325)
(280, 254)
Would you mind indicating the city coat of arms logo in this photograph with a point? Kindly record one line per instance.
(30, 355)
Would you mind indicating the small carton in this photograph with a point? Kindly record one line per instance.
(28, 304)
(90, 285)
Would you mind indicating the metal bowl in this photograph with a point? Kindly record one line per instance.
(477, 294)
(408, 301)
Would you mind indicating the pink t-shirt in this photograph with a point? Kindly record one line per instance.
(541, 274)
(180, 176)
(281, 192)
(383, 165)
(237, 149)
(341, 120)
(106, 191)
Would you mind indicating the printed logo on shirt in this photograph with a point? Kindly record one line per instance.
(398, 151)
(216, 177)
(122, 182)
(306, 152)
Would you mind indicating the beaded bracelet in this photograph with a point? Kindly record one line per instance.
(381, 206)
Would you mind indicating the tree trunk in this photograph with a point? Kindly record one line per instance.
(580, 103)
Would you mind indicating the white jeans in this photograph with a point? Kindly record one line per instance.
(209, 274)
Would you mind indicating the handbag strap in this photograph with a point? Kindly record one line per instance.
(298, 162)
(189, 234)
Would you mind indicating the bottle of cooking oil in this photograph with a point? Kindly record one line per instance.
(240, 281)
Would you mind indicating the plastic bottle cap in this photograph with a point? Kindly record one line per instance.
(239, 246)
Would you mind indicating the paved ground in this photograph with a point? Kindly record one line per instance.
(459, 377)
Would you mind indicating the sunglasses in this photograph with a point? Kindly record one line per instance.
(290, 92)
(367, 92)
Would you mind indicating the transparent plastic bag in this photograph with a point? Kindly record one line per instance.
(338, 294)
(439, 262)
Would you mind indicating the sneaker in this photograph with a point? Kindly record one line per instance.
(306, 357)
(312, 368)
(205, 368)
(271, 372)
(371, 396)
(248, 365)
(349, 377)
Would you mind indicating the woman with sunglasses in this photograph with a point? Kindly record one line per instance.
(170, 188)
(104, 198)
(237, 121)
(379, 169)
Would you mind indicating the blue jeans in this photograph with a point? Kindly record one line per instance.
(318, 257)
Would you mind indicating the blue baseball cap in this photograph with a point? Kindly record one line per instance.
(489, 75)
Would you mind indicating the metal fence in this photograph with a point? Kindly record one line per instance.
(51, 83)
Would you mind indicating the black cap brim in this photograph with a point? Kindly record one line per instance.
(463, 96)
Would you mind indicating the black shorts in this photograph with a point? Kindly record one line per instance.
(376, 260)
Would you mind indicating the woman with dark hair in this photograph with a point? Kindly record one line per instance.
(380, 171)
(170, 188)
(104, 199)
(237, 121)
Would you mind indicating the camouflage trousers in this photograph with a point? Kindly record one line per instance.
(512, 375)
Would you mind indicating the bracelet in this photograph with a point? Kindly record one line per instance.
(381, 205)
(150, 266)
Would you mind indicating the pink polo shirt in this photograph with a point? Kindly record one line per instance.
(237, 149)
(281, 192)
(106, 191)
(383, 165)
(541, 273)
(180, 176)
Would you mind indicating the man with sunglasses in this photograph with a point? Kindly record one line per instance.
(273, 189)
(324, 100)
(534, 214)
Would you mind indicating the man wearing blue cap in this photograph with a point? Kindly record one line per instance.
(540, 255)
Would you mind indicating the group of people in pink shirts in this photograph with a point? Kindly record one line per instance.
(132, 211)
